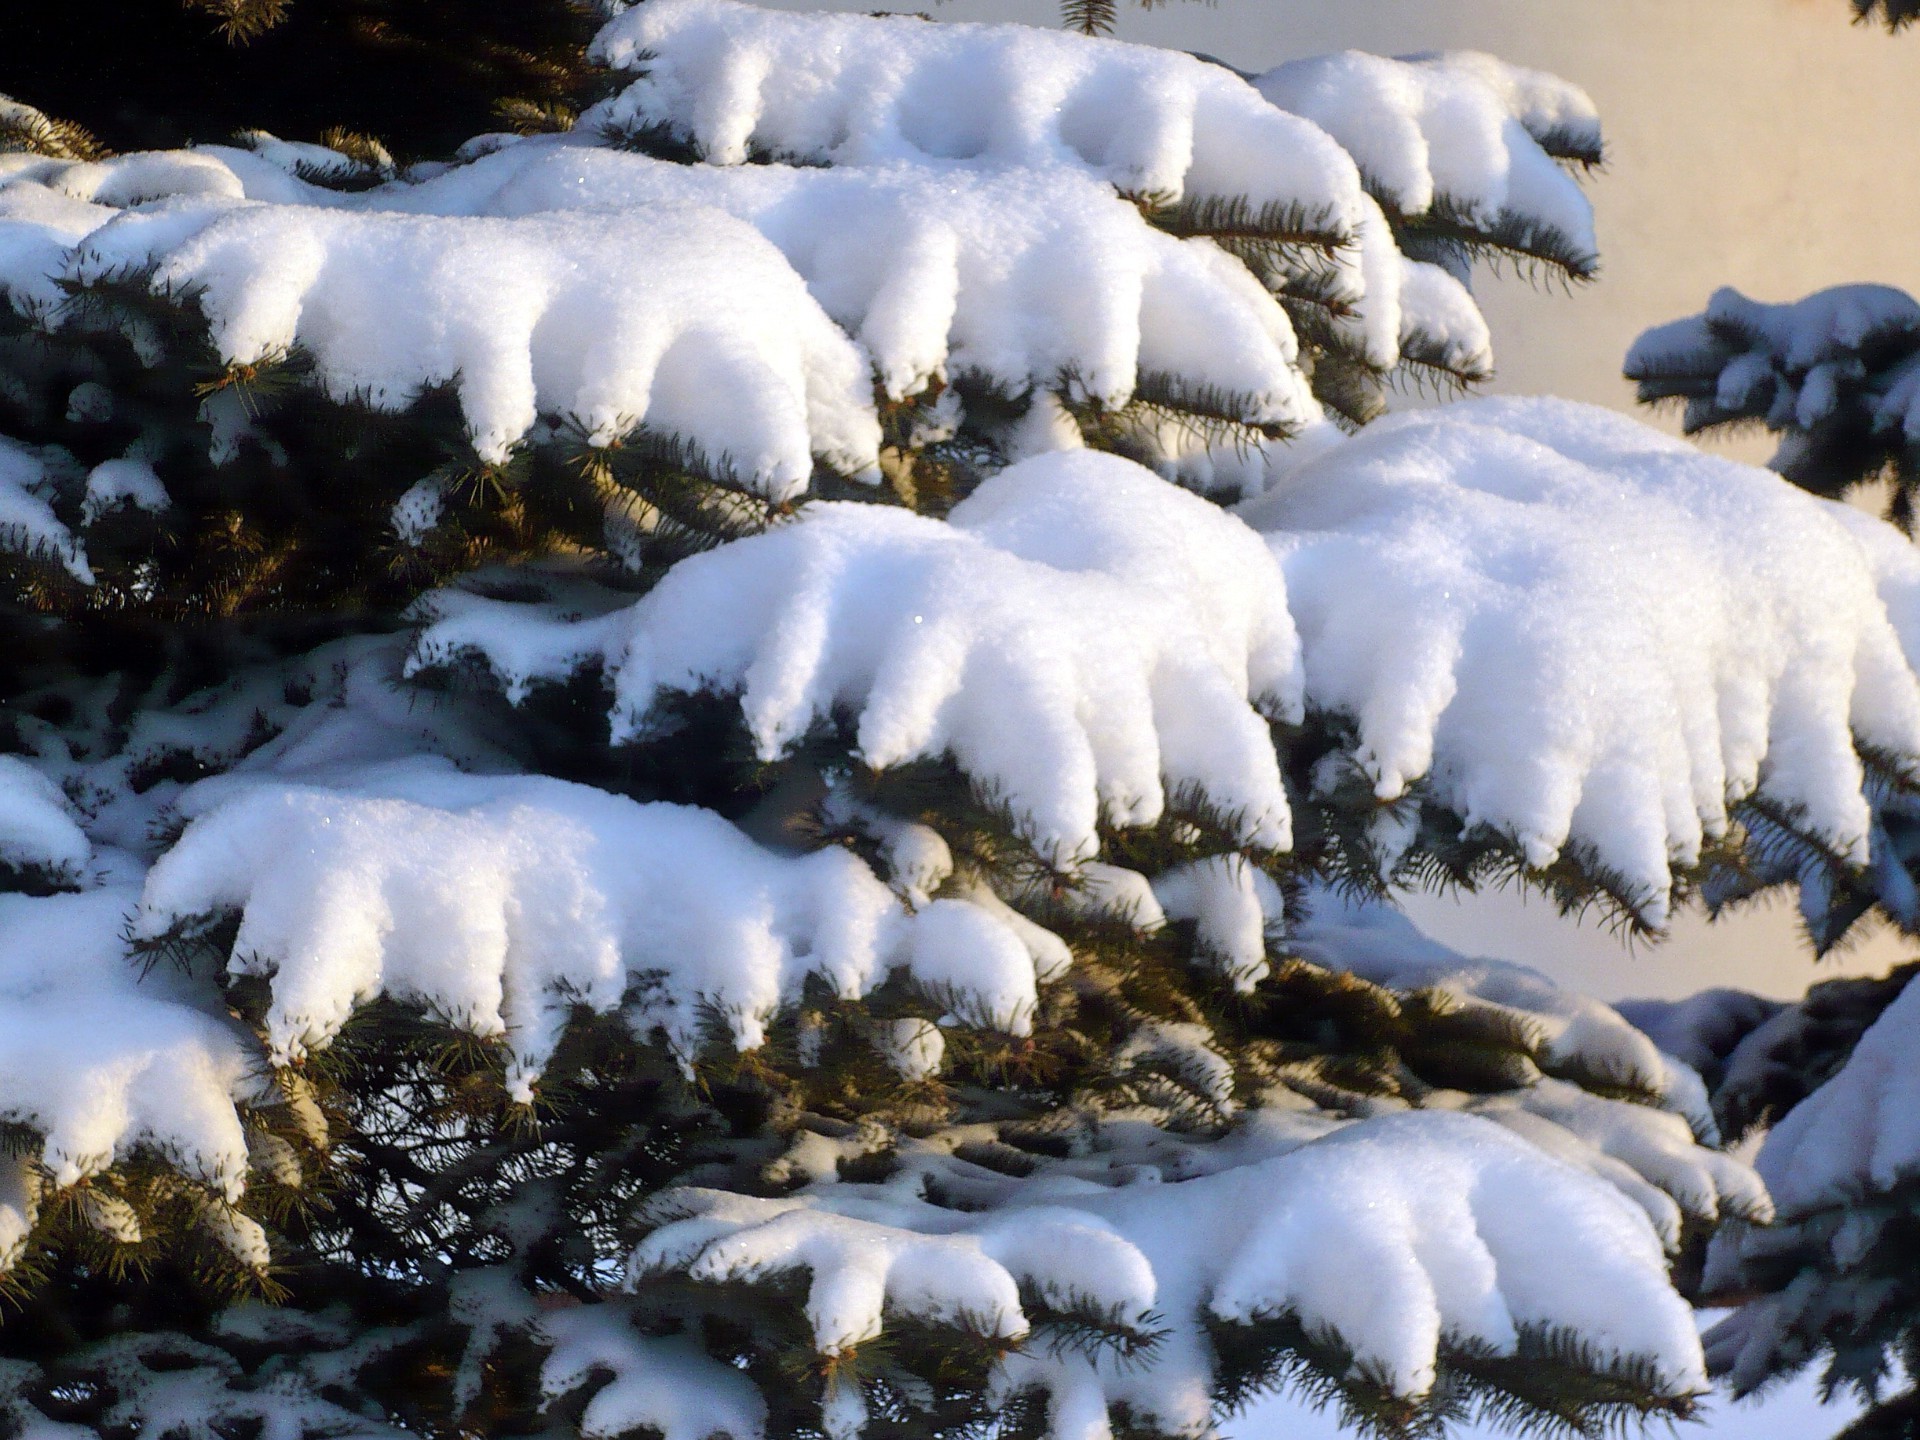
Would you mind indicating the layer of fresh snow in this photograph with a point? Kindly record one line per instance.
(1859, 1133)
(1081, 638)
(500, 903)
(940, 268)
(1468, 1236)
(100, 1061)
(850, 89)
(682, 320)
(1454, 132)
(1579, 632)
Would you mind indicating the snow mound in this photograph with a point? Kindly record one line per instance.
(500, 903)
(1860, 1132)
(667, 1386)
(737, 81)
(1469, 1237)
(940, 269)
(1081, 639)
(1458, 135)
(38, 830)
(101, 1061)
(27, 522)
(682, 320)
(1583, 634)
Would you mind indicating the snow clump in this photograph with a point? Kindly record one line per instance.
(685, 321)
(739, 82)
(501, 903)
(1080, 637)
(1582, 633)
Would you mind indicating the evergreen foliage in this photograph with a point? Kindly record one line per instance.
(1834, 375)
(609, 830)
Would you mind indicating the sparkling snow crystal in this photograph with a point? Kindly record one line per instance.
(1580, 632)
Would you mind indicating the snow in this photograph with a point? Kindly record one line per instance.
(1575, 1034)
(665, 1385)
(1237, 909)
(38, 830)
(939, 268)
(1081, 638)
(101, 1062)
(127, 481)
(1859, 1133)
(1584, 635)
(1469, 1236)
(1798, 337)
(862, 90)
(27, 522)
(1454, 133)
(500, 903)
(683, 320)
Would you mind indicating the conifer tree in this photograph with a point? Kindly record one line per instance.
(736, 769)
(1830, 1081)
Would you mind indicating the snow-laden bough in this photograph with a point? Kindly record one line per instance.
(1081, 638)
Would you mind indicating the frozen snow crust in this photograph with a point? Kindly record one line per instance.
(1566, 641)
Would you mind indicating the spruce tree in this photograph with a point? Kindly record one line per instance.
(1829, 1081)
(736, 767)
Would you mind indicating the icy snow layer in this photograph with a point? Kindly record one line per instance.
(849, 89)
(1581, 633)
(1460, 135)
(100, 1061)
(500, 903)
(684, 320)
(1469, 1237)
(1080, 638)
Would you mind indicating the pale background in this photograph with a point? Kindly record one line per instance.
(1763, 144)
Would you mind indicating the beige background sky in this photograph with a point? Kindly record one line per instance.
(1764, 144)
